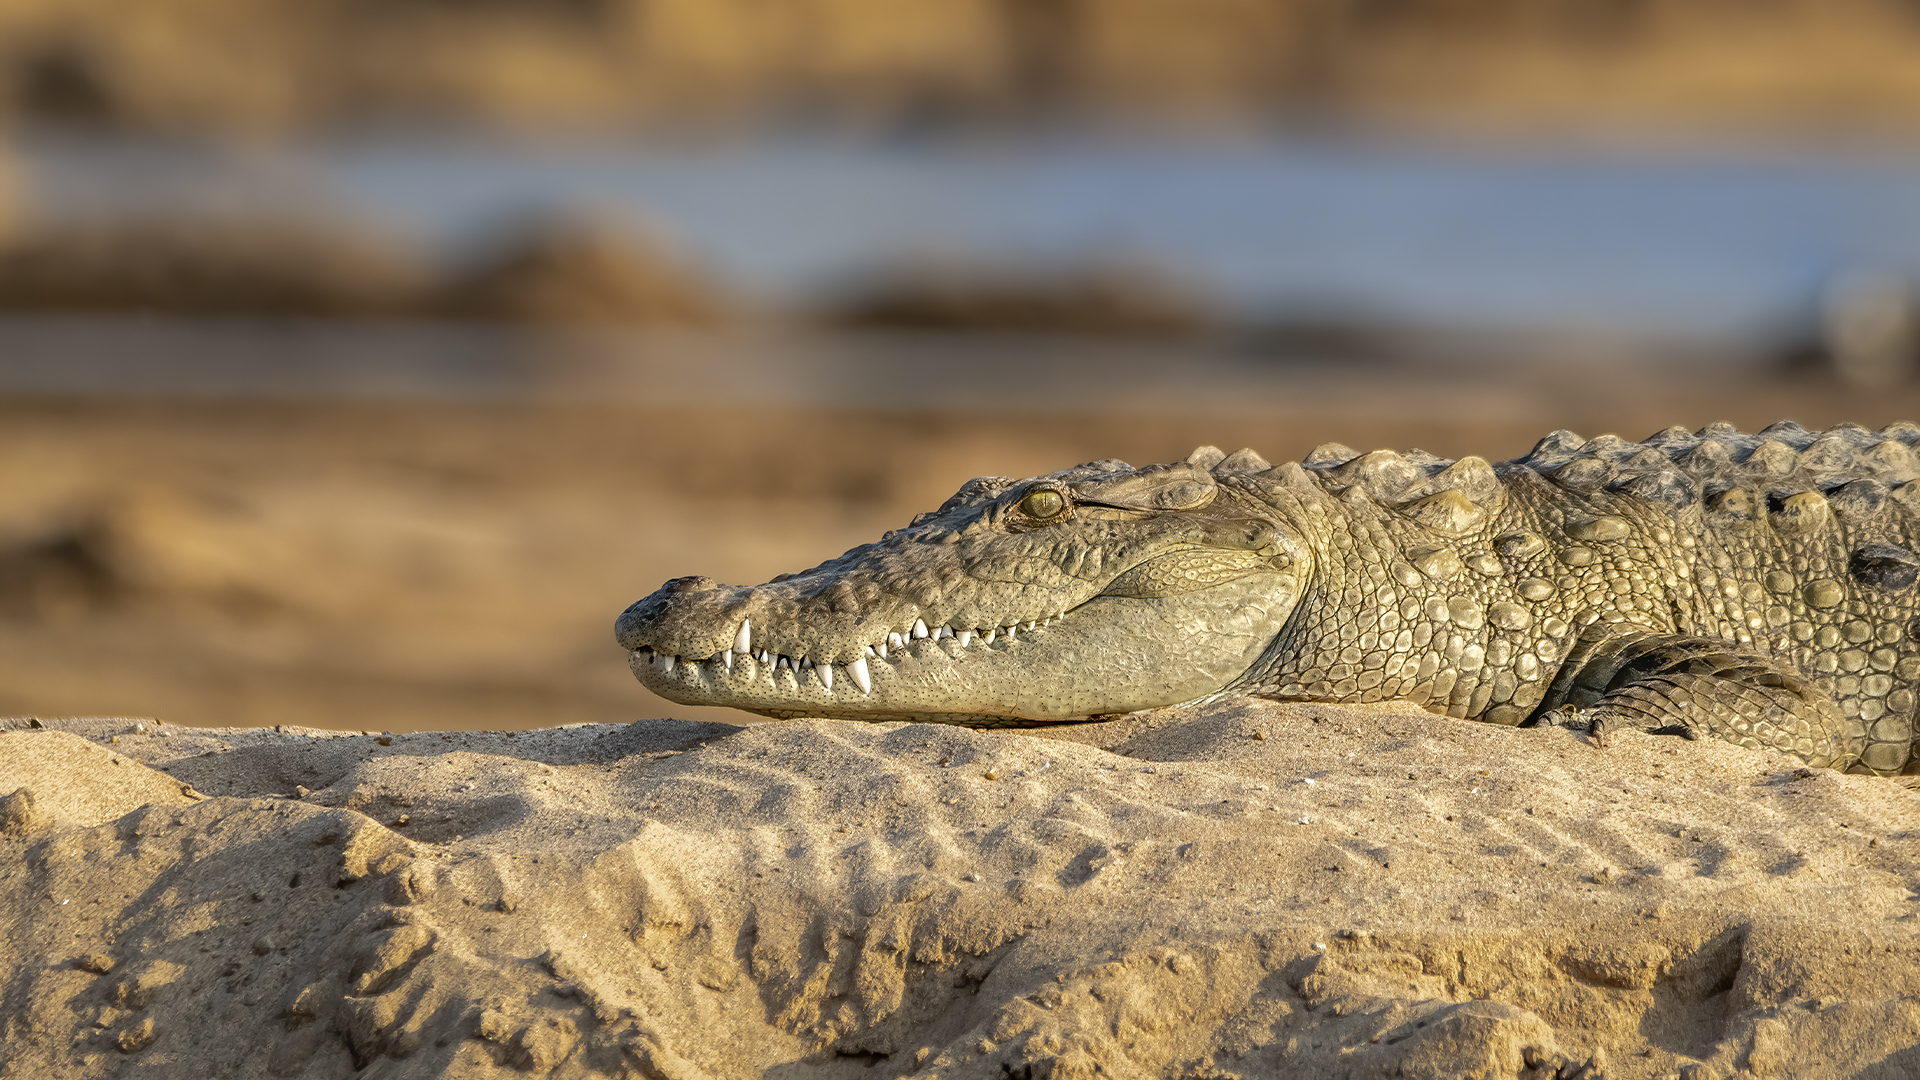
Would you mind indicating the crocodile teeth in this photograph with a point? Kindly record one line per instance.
(881, 649)
(765, 657)
(725, 658)
(857, 671)
(870, 653)
(664, 661)
(965, 636)
(942, 632)
(1030, 625)
(919, 628)
(826, 674)
(896, 641)
(992, 632)
(743, 642)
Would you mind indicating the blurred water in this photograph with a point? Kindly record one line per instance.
(1682, 243)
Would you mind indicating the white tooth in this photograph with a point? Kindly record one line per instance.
(664, 662)
(779, 662)
(766, 657)
(1030, 625)
(992, 632)
(826, 674)
(882, 649)
(919, 629)
(726, 658)
(941, 632)
(743, 641)
(1011, 629)
(857, 671)
(966, 638)
(896, 641)
(869, 651)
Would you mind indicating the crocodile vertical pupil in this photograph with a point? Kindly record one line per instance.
(1044, 503)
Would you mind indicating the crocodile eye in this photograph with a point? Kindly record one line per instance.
(1043, 503)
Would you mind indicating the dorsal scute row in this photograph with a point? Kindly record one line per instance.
(1856, 469)
(1440, 494)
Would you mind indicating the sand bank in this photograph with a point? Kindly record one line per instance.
(1240, 891)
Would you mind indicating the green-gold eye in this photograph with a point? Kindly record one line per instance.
(1043, 503)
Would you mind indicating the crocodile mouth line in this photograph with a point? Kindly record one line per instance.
(742, 663)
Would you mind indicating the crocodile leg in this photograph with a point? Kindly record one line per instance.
(1620, 675)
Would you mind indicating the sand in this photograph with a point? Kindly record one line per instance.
(1241, 890)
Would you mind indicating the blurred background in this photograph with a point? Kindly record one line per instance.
(359, 362)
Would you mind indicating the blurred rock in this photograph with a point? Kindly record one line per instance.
(9, 197)
(550, 270)
(207, 267)
(68, 572)
(1101, 300)
(66, 82)
(1872, 329)
(1865, 330)
(565, 268)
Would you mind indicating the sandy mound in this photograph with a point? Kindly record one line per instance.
(1249, 891)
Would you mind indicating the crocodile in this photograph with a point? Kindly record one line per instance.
(1756, 588)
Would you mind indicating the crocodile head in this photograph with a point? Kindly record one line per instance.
(1100, 590)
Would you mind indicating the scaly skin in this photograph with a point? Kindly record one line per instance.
(1756, 588)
